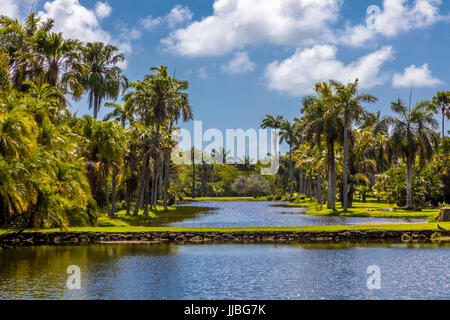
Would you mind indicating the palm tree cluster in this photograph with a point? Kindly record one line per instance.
(339, 146)
(60, 170)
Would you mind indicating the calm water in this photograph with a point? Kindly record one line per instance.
(226, 272)
(264, 214)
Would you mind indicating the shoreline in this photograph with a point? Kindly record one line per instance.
(8, 240)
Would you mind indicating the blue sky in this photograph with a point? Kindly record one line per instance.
(247, 58)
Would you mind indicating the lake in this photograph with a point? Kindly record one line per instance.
(265, 214)
(318, 271)
(227, 272)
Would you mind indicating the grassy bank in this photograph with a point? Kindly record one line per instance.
(223, 199)
(155, 217)
(387, 227)
(370, 209)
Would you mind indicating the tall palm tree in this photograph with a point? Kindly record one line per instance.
(100, 74)
(348, 100)
(288, 133)
(442, 100)
(158, 99)
(57, 57)
(322, 118)
(275, 123)
(19, 41)
(412, 134)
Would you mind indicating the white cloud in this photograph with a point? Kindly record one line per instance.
(416, 77)
(9, 8)
(75, 21)
(102, 9)
(298, 74)
(395, 17)
(16, 9)
(179, 15)
(238, 23)
(240, 63)
(149, 23)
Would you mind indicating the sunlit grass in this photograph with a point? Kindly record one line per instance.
(360, 209)
(224, 199)
(386, 227)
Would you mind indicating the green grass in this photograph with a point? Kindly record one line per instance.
(387, 227)
(223, 199)
(155, 217)
(360, 210)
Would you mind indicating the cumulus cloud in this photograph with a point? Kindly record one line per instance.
(238, 23)
(149, 23)
(416, 77)
(395, 17)
(102, 10)
(75, 21)
(16, 9)
(240, 63)
(9, 8)
(297, 74)
(178, 16)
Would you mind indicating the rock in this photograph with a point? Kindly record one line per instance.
(444, 215)
(180, 239)
(196, 239)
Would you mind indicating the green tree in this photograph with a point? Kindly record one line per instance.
(412, 134)
(348, 100)
(99, 73)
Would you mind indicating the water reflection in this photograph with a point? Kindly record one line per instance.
(313, 271)
(264, 214)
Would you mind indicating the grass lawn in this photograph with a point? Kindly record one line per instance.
(387, 227)
(360, 210)
(158, 216)
(223, 199)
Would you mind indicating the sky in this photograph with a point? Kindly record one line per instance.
(248, 58)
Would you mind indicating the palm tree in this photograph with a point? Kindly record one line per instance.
(121, 113)
(159, 98)
(412, 134)
(349, 102)
(19, 41)
(57, 57)
(288, 133)
(442, 100)
(322, 118)
(99, 74)
(273, 122)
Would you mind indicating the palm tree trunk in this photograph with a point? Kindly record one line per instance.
(161, 178)
(113, 196)
(147, 199)
(166, 179)
(105, 171)
(311, 193)
(193, 173)
(291, 190)
(409, 169)
(443, 123)
(141, 183)
(345, 166)
(331, 193)
(319, 189)
(300, 182)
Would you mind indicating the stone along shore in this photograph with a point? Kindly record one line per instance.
(83, 238)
